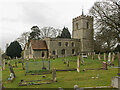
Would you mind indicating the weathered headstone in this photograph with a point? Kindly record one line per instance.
(68, 64)
(104, 56)
(115, 82)
(76, 87)
(78, 63)
(3, 65)
(11, 69)
(104, 65)
(23, 65)
(54, 74)
(99, 58)
(109, 58)
(113, 57)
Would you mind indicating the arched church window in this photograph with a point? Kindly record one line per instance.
(54, 52)
(73, 51)
(66, 44)
(59, 43)
(43, 54)
(72, 44)
(63, 51)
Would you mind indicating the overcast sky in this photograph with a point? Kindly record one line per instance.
(18, 16)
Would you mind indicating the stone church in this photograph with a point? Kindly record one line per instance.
(81, 41)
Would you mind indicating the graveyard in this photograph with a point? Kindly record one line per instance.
(91, 72)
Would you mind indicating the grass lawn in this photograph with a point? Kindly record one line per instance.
(65, 79)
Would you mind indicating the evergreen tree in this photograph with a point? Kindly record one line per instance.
(65, 33)
(35, 34)
(14, 50)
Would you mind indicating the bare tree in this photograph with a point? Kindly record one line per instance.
(23, 39)
(49, 32)
(106, 23)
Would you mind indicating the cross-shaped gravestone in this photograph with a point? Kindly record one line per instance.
(54, 75)
(78, 63)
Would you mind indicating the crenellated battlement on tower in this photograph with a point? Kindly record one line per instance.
(82, 17)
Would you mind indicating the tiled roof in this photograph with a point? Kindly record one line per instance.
(38, 44)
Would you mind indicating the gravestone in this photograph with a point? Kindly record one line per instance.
(3, 66)
(104, 65)
(67, 64)
(54, 75)
(23, 65)
(113, 57)
(104, 56)
(115, 82)
(11, 69)
(78, 63)
(99, 58)
(76, 87)
(109, 58)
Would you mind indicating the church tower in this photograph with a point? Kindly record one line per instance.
(83, 30)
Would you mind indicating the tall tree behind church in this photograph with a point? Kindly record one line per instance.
(35, 34)
(65, 33)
